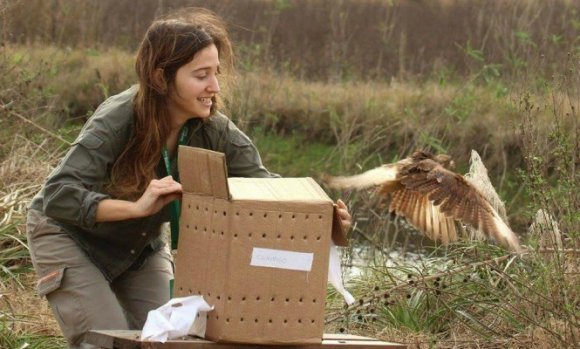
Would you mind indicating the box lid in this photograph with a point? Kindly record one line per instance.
(276, 189)
(204, 172)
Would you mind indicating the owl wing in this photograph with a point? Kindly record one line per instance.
(426, 217)
(432, 195)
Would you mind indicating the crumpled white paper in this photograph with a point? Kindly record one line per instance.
(176, 318)
(335, 276)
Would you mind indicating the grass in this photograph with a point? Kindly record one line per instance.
(333, 40)
(469, 295)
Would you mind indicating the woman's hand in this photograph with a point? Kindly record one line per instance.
(345, 218)
(159, 193)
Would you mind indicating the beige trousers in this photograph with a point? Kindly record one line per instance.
(80, 296)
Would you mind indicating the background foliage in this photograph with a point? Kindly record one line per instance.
(338, 87)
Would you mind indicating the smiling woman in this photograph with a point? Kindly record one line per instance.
(94, 230)
(195, 87)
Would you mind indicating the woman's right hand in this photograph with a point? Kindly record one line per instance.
(159, 193)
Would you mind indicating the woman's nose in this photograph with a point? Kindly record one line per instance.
(214, 85)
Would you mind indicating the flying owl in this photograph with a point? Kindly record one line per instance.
(425, 191)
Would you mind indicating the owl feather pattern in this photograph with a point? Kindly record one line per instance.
(433, 198)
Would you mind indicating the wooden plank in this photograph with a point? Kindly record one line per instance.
(114, 339)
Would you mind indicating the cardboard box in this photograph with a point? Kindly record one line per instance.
(256, 249)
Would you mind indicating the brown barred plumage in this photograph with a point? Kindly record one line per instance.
(434, 199)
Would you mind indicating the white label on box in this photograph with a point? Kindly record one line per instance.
(266, 257)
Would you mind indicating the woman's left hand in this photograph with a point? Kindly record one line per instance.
(345, 218)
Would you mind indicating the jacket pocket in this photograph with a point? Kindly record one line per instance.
(50, 282)
(89, 141)
(83, 153)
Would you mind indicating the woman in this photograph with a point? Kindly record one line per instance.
(94, 228)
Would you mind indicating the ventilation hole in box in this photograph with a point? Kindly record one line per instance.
(251, 214)
(306, 217)
(243, 299)
(258, 298)
(249, 235)
(300, 300)
(279, 236)
(207, 209)
(291, 237)
(314, 300)
(285, 321)
(237, 213)
(299, 321)
(197, 207)
(312, 321)
(207, 316)
(319, 216)
(264, 235)
(228, 319)
(217, 317)
(209, 294)
(293, 216)
(287, 300)
(273, 299)
(222, 233)
(188, 205)
(241, 319)
(280, 216)
(199, 292)
(187, 226)
(190, 291)
(256, 320)
(235, 235)
(213, 231)
(205, 229)
(218, 297)
(197, 314)
(265, 215)
(270, 320)
(215, 212)
(318, 238)
(181, 288)
(305, 237)
(229, 298)
(195, 227)
(225, 213)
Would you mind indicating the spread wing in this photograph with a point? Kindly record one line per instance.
(426, 217)
(433, 195)
(384, 175)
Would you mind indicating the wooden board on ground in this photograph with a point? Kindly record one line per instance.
(114, 339)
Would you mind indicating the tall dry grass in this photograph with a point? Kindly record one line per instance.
(314, 81)
(330, 39)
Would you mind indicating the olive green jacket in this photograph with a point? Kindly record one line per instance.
(73, 190)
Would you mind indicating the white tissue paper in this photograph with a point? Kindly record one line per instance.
(176, 318)
(335, 276)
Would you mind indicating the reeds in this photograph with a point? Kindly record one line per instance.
(301, 96)
(329, 39)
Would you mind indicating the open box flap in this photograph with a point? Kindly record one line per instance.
(203, 171)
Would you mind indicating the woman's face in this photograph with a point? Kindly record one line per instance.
(196, 83)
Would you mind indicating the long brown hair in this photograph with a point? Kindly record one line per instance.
(169, 43)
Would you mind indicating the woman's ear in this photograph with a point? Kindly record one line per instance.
(159, 83)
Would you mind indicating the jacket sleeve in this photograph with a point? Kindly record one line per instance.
(71, 193)
(242, 157)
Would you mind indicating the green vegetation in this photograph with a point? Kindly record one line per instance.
(312, 111)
